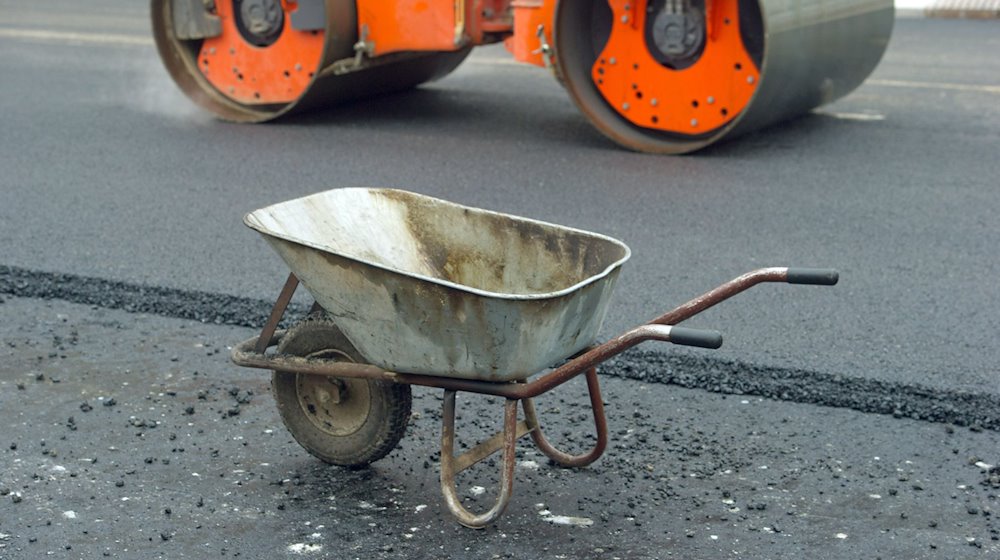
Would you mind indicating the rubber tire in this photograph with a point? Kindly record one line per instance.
(388, 412)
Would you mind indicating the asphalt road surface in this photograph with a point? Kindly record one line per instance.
(119, 198)
(131, 436)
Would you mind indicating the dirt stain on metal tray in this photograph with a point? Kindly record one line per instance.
(497, 253)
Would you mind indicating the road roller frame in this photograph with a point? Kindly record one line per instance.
(661, 76)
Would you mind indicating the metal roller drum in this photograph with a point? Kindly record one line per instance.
(256, 60)
(673, 76)
(658, 76)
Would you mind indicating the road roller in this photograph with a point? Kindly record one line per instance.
(657, 76)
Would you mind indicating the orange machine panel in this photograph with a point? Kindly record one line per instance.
(278, 73)
(694, 100)
(411, 25)
(532, 30)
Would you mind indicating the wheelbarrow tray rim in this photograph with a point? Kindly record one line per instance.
(253, 220)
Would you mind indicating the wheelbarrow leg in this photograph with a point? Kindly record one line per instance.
(451, 465)
(600, 423)
(277, 312)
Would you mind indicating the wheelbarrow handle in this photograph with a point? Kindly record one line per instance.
(701, 338)
(683, 312)
(815, 276)
(685, 336)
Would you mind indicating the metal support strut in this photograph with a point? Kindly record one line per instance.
(600, 424)
(277, 312)
(451, 465)
(506, 441)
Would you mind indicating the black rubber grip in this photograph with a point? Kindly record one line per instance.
(816, 276)
(695, 337)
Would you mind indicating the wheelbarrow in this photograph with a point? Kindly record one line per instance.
(412, 290)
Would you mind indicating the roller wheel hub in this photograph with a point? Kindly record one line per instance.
(260, 58)
(677, 38)
(260, 21)
(656, 75)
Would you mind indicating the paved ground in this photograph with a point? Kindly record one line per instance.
(130, 436)
(116, 193)
(111, 173)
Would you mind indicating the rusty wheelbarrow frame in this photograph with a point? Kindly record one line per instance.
(254, 353)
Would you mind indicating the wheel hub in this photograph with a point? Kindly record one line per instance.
(669, 66)
(338, 407)
(260, 21)
(677, 33)
(260, 58)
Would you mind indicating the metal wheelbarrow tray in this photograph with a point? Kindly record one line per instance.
(412, 290)
(426, 286)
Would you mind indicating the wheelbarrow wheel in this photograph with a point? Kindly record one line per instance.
(349, 422)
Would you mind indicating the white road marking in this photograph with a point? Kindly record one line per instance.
(979, 88)
(75, 37)
(853, 116)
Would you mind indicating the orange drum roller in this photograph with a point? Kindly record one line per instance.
(660, 76)
(255, 60)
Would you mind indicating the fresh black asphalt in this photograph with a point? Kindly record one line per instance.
(125, 272)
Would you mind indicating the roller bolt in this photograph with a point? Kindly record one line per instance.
(625, 106)
(710, 100)
(654, 102)
(750, 79)
(694, 122)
